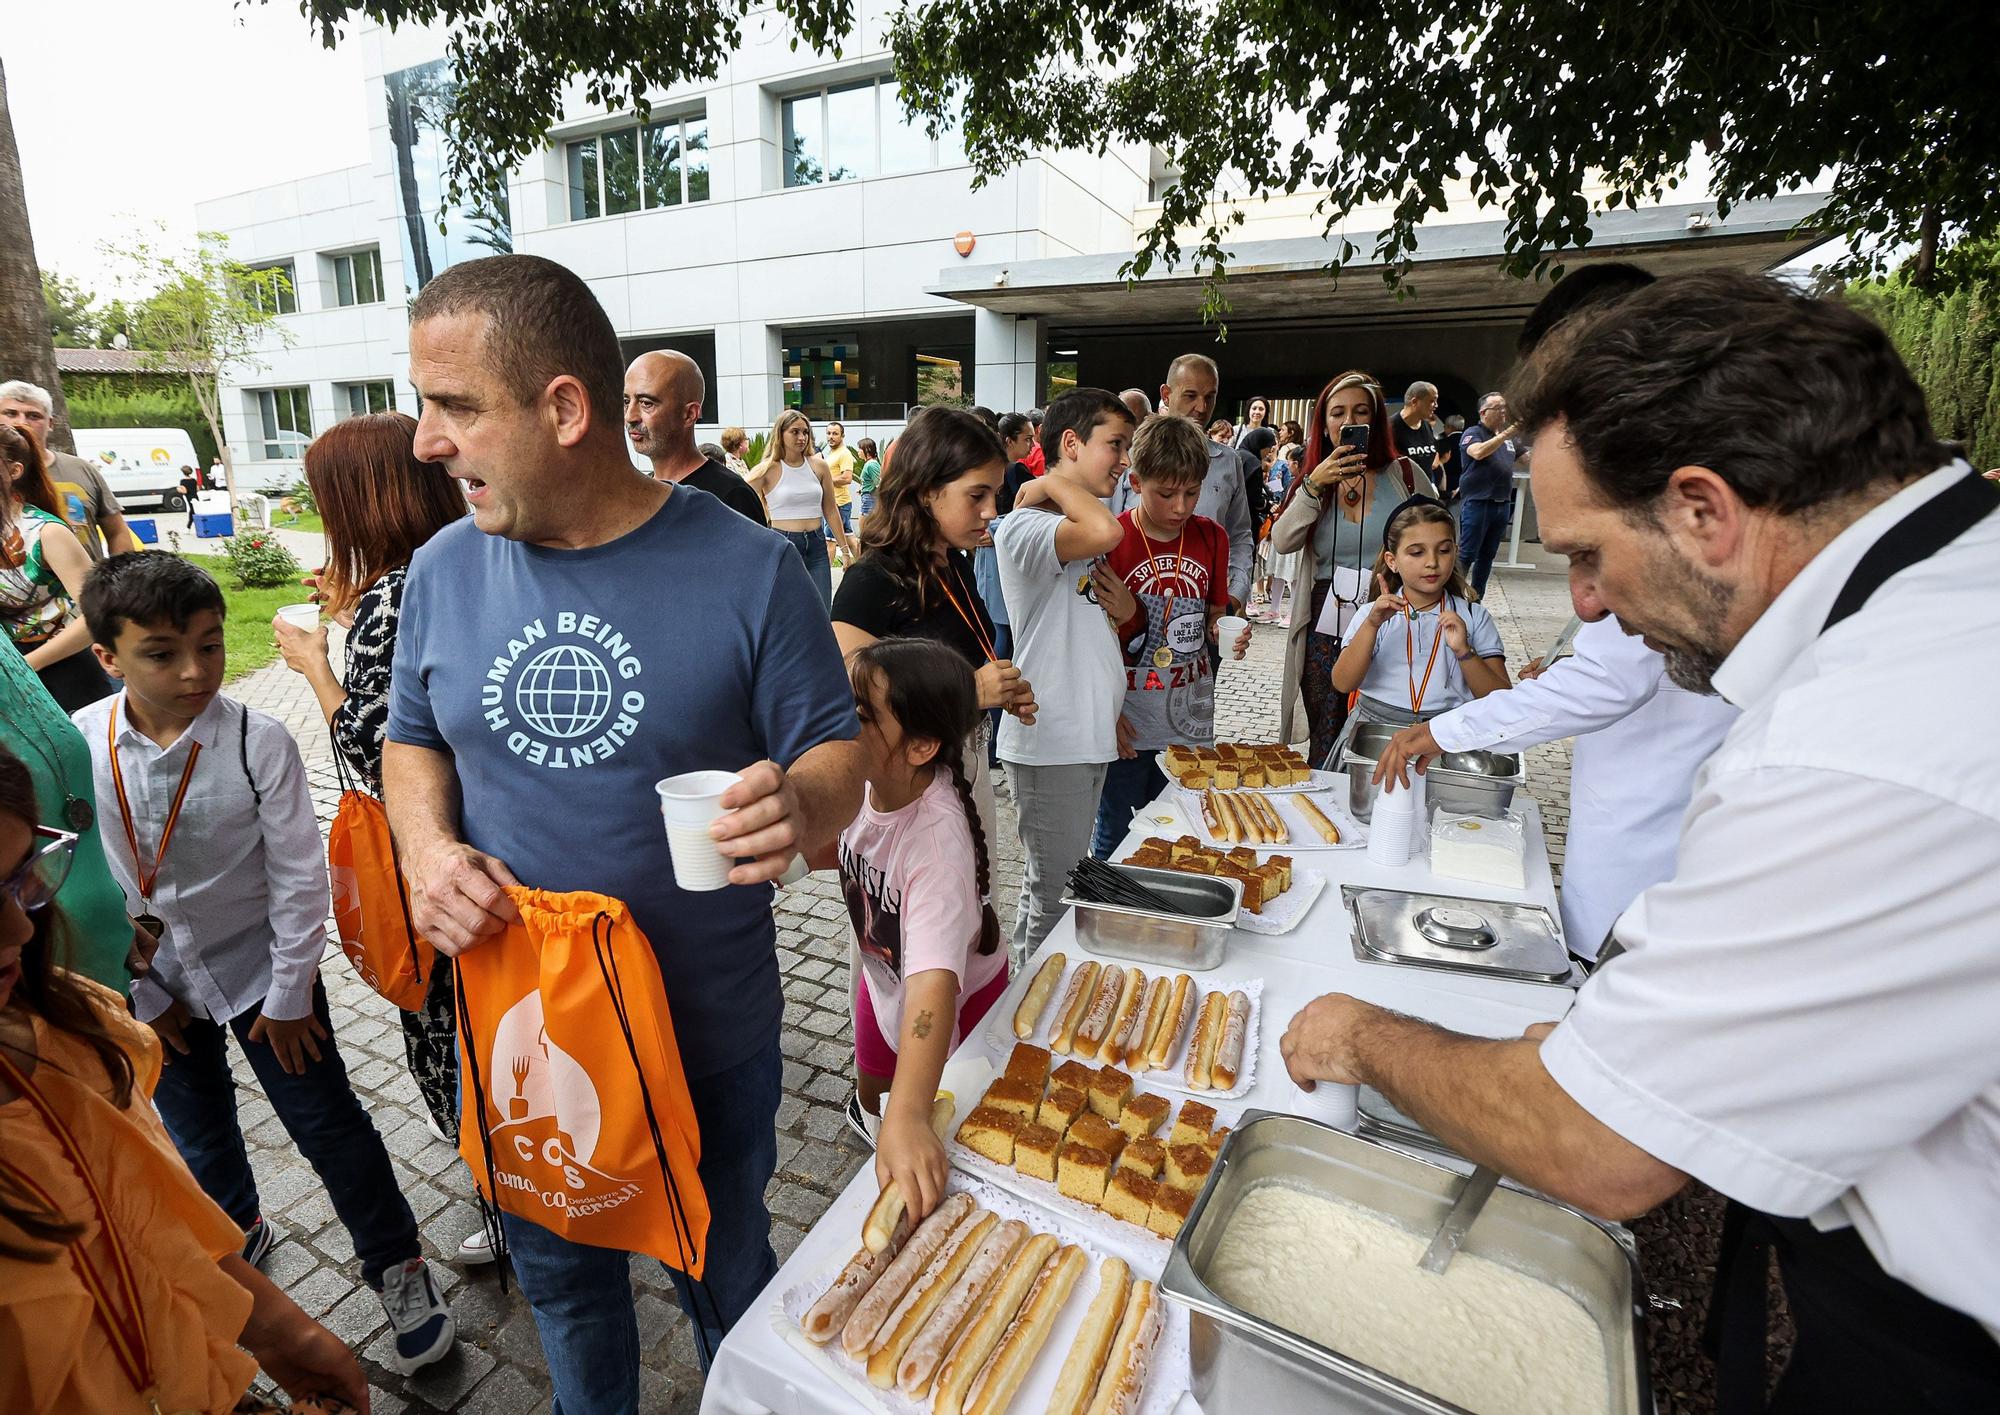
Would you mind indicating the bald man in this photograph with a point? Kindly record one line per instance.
(664, 391)
(1140, 405)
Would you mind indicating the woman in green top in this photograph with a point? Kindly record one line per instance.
(42, 567)
(34, 729)
(871, 476)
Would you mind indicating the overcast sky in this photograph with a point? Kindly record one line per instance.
(141, 108)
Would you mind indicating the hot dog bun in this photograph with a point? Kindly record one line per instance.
(1028, 1015)
(1097, 1021)
(983, 1332)
(1180, 1006)
(826, 1316)
(1229, 1051)
(1207, 1034)
(1078, 1381)
(930, 1289)
(857, 1337)
(1124, 1378)
(927, 1351)
(1152, 1012)
(1077, 999)
(1123, 1020)
(1008, 1366)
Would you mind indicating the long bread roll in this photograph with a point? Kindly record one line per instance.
(873, 1310)
(1028, 1015)
(889, 1204)
(1078, 1380)
(927, 1351)
(1026, 1334)
(1211, 815)
(1316, 818)
(1097, 1021)
(1207, 1034)
(983, 1333)
(1180, 1007)
(1124, 1019)
(1124, 1378)
(1151, 1014)
(1081, 993)
(1229, 1051)
(826, 1317)
(1275, 832)
(923, 1298)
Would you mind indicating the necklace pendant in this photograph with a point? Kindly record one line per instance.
(1163, 657)
(78, 814)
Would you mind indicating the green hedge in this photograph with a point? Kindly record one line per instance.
(1949, 341)
(98, 403)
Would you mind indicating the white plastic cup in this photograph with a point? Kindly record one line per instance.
(1329, 1103)
(302, 616)
(690, 803)
(1392, 823)
(1227, 629)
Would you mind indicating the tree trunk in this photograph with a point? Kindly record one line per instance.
(1925, 269)
(26, 350)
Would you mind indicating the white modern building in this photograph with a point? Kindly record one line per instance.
(785, 227)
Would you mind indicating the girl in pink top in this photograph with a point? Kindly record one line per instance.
(914, 867)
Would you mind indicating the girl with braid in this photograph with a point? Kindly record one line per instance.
(914, 866)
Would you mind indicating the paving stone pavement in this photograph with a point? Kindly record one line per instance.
(498, 1368)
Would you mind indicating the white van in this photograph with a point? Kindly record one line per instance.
(142, 464)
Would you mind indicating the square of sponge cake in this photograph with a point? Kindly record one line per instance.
(1029, 1065)
(1192, 1125)
(1146, 1155)
(991, 1133)
(1035, 1149)
(1081, 1172)
(1019, 1097)
(1188, 1166)
(1076, 1075)
(1098, 1133)
(1142, 1114)
(1129, 1196)
(1060, 1106)
(1109, 1090)
(1169, 1211)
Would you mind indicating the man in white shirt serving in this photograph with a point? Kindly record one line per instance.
(1803, 1017)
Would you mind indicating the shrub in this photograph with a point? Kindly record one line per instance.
(300, 495)
(260, 561)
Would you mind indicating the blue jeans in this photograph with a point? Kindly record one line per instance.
(811, 546)
(1003, 648)
(1482, 526)
(582, 1296)
(1128, 785)
(197, 1100)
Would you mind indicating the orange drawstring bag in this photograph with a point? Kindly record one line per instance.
(371, 903)
(574, 1112)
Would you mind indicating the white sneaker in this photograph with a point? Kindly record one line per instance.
(417, 1314)
(477, 1249)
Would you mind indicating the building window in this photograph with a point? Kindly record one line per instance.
(641, 168)
(851, 130)
(286, 418)
(878, 372)
(272, 289)
(359, 398)
(437, 233)
(357, 277)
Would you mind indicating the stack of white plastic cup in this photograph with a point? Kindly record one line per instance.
(1394, 821)
(690, 804)
(1336, 1105)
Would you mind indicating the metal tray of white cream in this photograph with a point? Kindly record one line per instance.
(1482, 936)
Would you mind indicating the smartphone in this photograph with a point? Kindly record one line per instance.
(1355, 435)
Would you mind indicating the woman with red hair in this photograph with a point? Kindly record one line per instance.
(1333, 517)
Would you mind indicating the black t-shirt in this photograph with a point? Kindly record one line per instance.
(1018, 475)
(874, 601)
(728, 488)
(1420, 444)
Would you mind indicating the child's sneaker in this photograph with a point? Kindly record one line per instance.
(422, 1323)
(477, 1249)
(860, 1121)
(258, 1241)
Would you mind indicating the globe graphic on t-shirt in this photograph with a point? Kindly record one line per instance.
(564, 691)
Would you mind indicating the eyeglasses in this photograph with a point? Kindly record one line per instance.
(42, 874)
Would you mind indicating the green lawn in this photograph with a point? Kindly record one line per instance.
(247, 626)
(305, 521)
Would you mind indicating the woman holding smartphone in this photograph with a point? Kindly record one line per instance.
(1332, 518)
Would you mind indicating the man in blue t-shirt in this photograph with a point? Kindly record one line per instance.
(1485, 488)
(560, 652)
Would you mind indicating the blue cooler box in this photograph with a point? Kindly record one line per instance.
(145, 529)
(222, 525)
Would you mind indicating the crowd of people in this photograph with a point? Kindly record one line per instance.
(533, 641)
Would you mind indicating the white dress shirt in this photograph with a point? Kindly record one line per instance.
(1640, 738)
(1807, 1015)
(243, 889)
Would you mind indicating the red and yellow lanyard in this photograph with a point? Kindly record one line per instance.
(146, 880)
(1164, 655)
(971, 620)
(1410, 640)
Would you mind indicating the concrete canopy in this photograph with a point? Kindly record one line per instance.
(1455, 273)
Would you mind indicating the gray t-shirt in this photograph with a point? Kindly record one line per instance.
(1063, 645)
(87, 497)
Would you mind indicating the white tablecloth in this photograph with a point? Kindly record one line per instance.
(757, 1370)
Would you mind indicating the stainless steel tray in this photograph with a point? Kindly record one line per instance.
(1475, 783)
(1192, 939)
(1242, 1362)
(1481, 936)
(1377, 1119)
